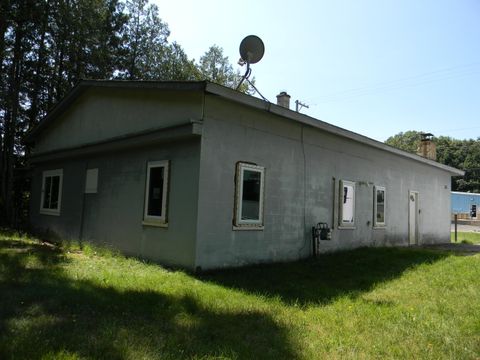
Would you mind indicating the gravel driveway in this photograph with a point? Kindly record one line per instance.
(465, 228)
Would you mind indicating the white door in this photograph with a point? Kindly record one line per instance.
(413, 217)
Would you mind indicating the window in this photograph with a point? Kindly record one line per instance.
(91, 181)
(347, 203)
(51, 197)
(156, 192)
(379, 206)
(249, 187)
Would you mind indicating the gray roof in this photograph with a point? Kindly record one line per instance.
(232, 95)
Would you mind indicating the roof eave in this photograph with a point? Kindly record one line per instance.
(83, 85)
(307, 120)
(230, 94)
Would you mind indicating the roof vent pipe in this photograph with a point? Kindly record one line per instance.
(283, 99)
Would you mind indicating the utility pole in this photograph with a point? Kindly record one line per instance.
(299, 105)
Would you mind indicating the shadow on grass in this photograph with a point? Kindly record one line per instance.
(45, 313)
(327, 277)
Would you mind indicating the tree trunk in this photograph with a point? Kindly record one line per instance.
(39, 70)
(11, 118)
(4, 7)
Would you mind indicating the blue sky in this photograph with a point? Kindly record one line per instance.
(373, 67)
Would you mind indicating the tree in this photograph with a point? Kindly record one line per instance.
(16, 41)
(45, 48)
(215, 67)
(147, 54)
(144, 40)
(407, 141)
(177, 66)
(471, 165)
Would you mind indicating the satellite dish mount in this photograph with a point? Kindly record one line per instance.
(251, 52)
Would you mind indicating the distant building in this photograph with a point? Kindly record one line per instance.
(465, 204)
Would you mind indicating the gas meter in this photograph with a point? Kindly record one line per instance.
(321, 231)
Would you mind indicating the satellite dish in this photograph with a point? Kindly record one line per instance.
(251, 52)
(252, 49)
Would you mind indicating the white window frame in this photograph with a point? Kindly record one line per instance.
(151, 219)
(45, 175)
(341, 222)
(249, 224)
(375, 222)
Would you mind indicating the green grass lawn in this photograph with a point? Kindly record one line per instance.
(466, 237)
(367, 303)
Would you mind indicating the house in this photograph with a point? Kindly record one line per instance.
(465, 205)
(200, 176)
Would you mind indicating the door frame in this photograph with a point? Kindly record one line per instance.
(413, 240)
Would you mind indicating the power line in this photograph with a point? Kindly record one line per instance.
(461, 129)
(384, 89)
(397, 81)
(411, 81)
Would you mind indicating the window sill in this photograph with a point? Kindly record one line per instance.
(50, 212)
(248, 228)
(343, 227)
(155, 223)
(380, 227)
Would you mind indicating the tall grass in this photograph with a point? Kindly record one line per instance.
(466, 237)
(366, 303)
